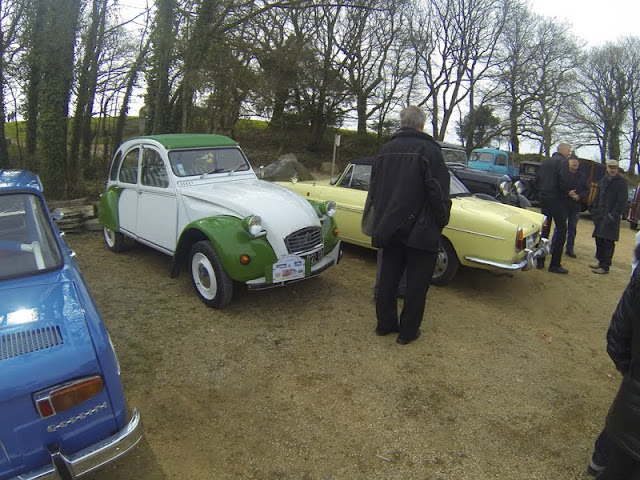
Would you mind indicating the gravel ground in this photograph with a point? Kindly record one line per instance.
(509, 380)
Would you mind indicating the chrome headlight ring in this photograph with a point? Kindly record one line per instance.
(328, 208)
(253, 225)
(504, 188)
(519, 187)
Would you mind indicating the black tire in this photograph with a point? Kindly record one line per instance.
(212, 284)
(447, 264)
(633, 225)
(114, 240)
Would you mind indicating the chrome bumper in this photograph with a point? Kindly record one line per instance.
(90, 458)
(330, 259)
(525, 264)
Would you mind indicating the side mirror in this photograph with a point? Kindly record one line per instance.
(261, 172)
(57, 215)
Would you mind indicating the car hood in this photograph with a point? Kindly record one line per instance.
(280, 209)
(527, 219)
(44, 338)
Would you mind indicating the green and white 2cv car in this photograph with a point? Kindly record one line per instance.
(195, 197)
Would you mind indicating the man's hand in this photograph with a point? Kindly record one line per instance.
(574, 195)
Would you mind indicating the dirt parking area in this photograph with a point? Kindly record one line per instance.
(509, 380)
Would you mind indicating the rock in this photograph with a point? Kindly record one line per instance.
(284, 168)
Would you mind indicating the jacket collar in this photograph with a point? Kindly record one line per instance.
(411, 132)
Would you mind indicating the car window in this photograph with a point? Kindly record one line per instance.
(115, 164)
(456, 187)
(27, 242)
(129, 169)
(154, 173)
(481, 157)
(454, 156)
(202, 161)
(501, 160)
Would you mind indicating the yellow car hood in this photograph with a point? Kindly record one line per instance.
(527, 219)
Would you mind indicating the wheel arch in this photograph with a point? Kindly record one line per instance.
(108, 208)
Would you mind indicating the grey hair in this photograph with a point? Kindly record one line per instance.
(413, 117)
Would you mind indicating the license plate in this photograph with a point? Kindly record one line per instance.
(315, 257)
(288, 268)
(530, 241)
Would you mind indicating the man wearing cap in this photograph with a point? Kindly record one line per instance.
(609, 205)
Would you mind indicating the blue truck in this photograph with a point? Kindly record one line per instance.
(493, 160)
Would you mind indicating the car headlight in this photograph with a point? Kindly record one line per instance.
(253, 225)
(328, 208)
(519, 186)
(504, 188)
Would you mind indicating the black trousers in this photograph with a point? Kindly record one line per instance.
(556, 210)
(604, 252)
(419, 265)
(621, 465)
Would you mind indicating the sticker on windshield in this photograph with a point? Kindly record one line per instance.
(180, 169)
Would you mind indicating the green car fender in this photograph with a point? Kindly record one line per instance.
(230, 241)
(108, 208)
(329, 226)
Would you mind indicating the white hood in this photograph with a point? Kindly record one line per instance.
(282, 211)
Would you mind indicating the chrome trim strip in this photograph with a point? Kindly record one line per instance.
(475, 233)
(94, 456)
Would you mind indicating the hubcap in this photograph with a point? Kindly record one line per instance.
(203, 275)
(441, 263)
(109, 237)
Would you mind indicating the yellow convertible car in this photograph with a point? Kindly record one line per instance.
(481, 233)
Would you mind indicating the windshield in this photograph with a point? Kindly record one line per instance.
(454, 156)
(27, 242)
(481, 157)
(185, 163)
(456, 187)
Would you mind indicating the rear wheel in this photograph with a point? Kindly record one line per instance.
(447, 264)
(114, 240)
(210, 280)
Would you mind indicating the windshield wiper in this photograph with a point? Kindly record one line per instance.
(237, 168)
(215, 170)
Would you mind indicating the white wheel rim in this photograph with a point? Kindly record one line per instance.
(204, 277)
(441, 263)
(109, 237)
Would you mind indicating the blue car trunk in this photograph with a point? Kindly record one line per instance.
(45, 341)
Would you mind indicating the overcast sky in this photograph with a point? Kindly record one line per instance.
(594, 21)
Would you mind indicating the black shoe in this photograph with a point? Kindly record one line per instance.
(570, 254)
(540, 264)
(557, 269)
(594, 469)
(381, 333)
(404, 341)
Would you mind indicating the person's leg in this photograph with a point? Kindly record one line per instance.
(621, 466)
(402, 287)
(600, 456)
(391, 268)
(420, 266)
(572, 226)
(599, 250)
(554, 239)
(544, 233)
(560, 218)
(608, 247)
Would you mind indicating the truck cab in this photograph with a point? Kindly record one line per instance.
(493, 160)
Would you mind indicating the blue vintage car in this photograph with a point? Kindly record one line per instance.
(62, 406)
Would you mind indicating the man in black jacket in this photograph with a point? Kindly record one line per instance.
(617, 450)
(578, 186)
(409, 191)
(552, 193)
(609, 205)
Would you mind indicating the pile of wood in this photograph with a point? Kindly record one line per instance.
(77, 215)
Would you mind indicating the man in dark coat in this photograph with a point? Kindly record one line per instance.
(578, 186)
(609, 205)
(619, 444)
(552, 193)
(409, 192)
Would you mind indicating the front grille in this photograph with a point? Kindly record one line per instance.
(21, 343)
(304, 240)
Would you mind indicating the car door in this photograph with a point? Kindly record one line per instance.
(128, 201)
(350, 195)
(157, 203)
(499, 165)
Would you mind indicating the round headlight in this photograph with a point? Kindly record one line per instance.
(329, 208)
(519, 186)
(505, 188)
(253, 224)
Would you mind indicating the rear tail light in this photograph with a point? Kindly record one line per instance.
(63, 397)
(546, 226)
(520, 240)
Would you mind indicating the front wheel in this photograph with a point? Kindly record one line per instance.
(114, 240)
(210, 280)
(447, 264)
